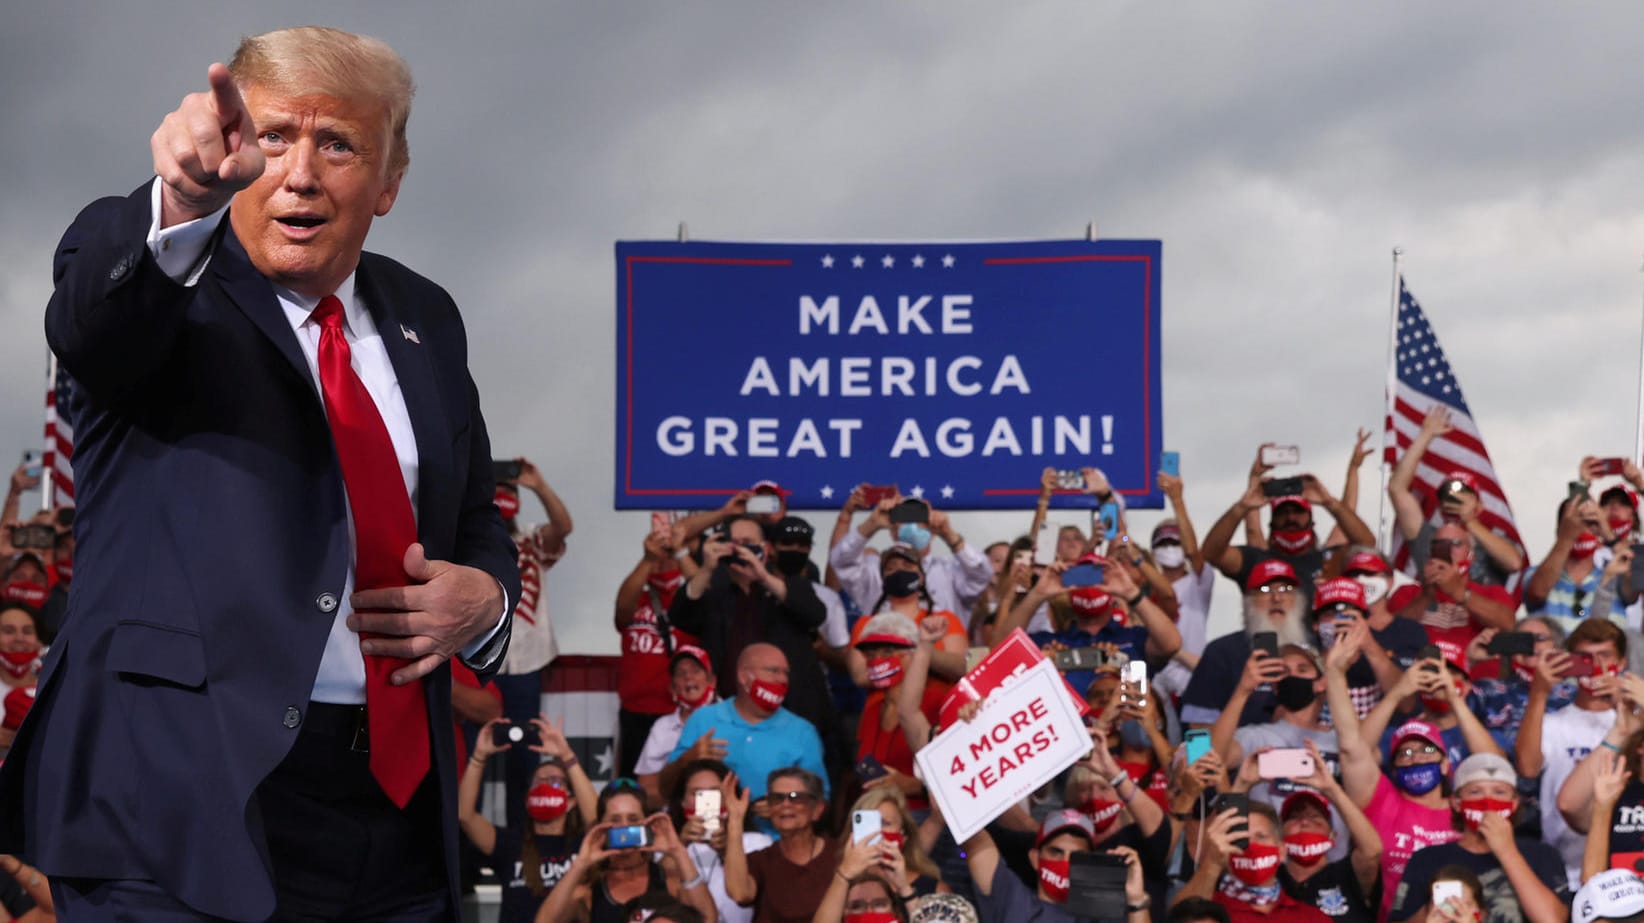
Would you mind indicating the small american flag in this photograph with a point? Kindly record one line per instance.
(1425, 379)
(59, 439)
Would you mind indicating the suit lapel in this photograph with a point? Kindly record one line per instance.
(394, 315)
(255, 298)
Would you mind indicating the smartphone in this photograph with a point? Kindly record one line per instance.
(505, 470)
(1096, 885)
(1198, 744)
(1581, 665)
(1274, 455)
(764, 505)
(707, 806)
(31, 463)
(33, 535)
(1135, 672)
(1578, 490)
(65, 516)
(1281, 487)
(1078, 658)
(1267, 641)
(875, 494)
(635, 836)
(1237, 802)
(1080, 575)
(1611, 466)
(910, 510)
(1110, 518)
(1294, 763)
(1068, 479)
(868, 769)
(1431, 652)
(1171, 463)
(503, 735)
(1444, 891)
(1512, 642)
(866, 824)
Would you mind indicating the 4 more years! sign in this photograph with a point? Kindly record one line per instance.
(1026, 732)
(957, 371)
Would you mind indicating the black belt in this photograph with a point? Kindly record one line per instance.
(344, 723)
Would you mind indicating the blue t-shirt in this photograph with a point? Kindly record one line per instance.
(754, 750)
(1132, 640)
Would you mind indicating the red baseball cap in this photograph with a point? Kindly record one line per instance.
(1367, 562)
(1420, 729)
(1268, 571)
(1465, 478)
(1297, 499)
(695, 653)
(1342, 591)
(770, 487)
(1300, 797)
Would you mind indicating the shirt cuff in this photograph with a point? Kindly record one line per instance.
(180, 250)
(475, 646)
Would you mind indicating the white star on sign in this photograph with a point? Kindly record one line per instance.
(604, 758)
(888, 261)
(918, 261)
(917, 492)
(827, 261)
(947, 261)
(857, 261)
(826, 492)
(947, 491)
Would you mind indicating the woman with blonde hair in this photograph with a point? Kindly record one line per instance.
(913, 874)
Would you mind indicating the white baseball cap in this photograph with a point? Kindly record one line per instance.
(1610, 895)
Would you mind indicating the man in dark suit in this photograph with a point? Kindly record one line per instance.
(285, 524)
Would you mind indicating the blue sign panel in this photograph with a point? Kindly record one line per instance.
(957, 372)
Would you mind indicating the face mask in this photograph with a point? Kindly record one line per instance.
(1435, 706)
(792, 562)
(1585, 544)
(18, 663)
(1053, 879)
(1256, 865)
(507, 502)
(1292, 541)
(65, 569)
(893, 838)
(767, 694)
(1621, 528)
(913, 534)
(1327, 634)
(1525, 673)
(26, 592)
(902, 584)
(1474, 809)
(884, 672)
(1308, 849)
(1375, 588)
(546, 802)
(1588, 682)
(1418, 780)
(692, 705)
(1294, 693)
(666, 583)
(871, 916)
(1132, 734)
(1103, 812)
(1170, 556)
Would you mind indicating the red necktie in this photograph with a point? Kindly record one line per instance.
(384, 528)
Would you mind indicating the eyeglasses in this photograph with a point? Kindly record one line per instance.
(1276, 588)
(878, 904)
(1412, 751)
(776, 798)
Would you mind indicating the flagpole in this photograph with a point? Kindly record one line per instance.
(1383, 535)
(49, 456)
(1638, 445)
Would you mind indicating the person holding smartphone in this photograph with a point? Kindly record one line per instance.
(1244, 879)
(906, 861)
(953, 582)
(1114, 612)
(711, 784)
(1344, 889)
(1563, 584)
(786, 882)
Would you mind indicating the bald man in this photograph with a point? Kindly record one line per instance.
(752, 733)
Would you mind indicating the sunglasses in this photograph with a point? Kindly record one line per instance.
(1411, 752)
(625, 784)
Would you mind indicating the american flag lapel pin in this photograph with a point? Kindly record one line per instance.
(410, 334)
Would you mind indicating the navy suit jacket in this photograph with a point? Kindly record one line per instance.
(212, 546)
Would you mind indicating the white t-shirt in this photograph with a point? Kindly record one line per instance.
(532, 645)
(711, 866)
(836, 628)
(1193, 615)
(1567, 736)
(659, 743)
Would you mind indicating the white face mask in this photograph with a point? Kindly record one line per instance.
(1169, 555)
(1374, 589)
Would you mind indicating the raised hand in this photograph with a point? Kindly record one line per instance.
(205, 151)
(552, 734)
(1609, 778)
(1361, 450)
(1437, 421)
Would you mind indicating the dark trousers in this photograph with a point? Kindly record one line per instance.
(340, 849)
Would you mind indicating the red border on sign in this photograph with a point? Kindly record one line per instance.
(628, 391)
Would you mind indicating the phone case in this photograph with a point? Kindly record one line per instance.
(864, 824)
(1285, 764)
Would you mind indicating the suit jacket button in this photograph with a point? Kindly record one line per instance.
(293, 717)
(326, 602)
(121, 269)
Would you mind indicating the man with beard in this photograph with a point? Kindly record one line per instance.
(1272, 602)
(1563, 585)
(1291, 536)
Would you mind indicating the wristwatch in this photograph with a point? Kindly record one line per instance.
(1147, 901)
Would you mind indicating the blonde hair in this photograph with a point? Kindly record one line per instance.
(319, 60)
(913, 855)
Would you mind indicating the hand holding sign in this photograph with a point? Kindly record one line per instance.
(205, 151)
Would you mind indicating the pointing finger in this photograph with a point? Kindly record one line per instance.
(225, 98)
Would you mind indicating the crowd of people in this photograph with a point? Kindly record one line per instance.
(1455, 739)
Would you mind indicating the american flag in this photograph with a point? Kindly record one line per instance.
(59, 440)
(1424, 379)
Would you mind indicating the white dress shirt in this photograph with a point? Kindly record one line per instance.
(181, 253)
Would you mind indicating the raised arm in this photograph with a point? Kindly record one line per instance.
(1260, 668)
(479, 831)
(910, 695)
(1367, 844)
(632, 588)
(1218, 550)
(1406, 505)
(559, 524)
(1609, 777)
(1350, 486)
(1172, 488)
(1576, 795)
(1359, 761)
(1527, 746)
(740, 885)
(1347, 518)
(1570, 527)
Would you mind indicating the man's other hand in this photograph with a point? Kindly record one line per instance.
(445, 607)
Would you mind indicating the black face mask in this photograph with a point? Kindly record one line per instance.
(1294, 692)
(902, 583)
(792, 562)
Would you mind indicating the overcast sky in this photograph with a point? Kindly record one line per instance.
(1280, 150)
